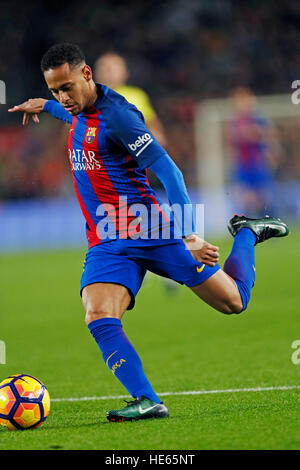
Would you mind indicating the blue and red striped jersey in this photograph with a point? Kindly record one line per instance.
(109, 149)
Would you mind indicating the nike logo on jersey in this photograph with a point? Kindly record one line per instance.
(143, 411)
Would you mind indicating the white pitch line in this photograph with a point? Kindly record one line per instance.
(192, 392)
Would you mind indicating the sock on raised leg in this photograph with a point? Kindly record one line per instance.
(240, 264)
(120, 356)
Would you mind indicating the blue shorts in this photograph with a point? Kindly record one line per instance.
(125, 262)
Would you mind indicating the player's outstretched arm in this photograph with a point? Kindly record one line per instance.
(35, 106)
(31, 107)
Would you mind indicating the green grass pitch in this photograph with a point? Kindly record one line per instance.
(184, 344)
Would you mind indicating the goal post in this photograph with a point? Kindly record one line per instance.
(211, 117)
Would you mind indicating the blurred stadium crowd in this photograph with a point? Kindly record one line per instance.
(179, 51)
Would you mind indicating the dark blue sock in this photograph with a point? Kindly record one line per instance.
(120, 356)
(240, 265)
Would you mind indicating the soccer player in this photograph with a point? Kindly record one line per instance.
(111, 70)
(252, 148)
(109, 150)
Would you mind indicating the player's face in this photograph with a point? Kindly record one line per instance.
(243, 100)
(72, 87)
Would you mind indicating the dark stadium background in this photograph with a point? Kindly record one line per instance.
(180, 52)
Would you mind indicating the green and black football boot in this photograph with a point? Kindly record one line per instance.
(141, 408)
(264, 228)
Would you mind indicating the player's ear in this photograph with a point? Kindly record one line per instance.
(87, 72)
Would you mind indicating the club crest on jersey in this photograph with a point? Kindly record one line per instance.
(91, 134)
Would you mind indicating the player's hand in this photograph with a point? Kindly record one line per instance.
(31, 108)
(202, 251)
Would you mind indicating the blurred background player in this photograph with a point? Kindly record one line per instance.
(253, 151)
(111, 70)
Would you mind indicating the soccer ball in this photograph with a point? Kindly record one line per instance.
(24, 402)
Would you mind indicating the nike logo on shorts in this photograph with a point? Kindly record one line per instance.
(199, 270)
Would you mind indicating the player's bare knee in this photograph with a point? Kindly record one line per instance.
(96, 309)
(232, 305)
(92, 315)
(235, 305)
(225, 308)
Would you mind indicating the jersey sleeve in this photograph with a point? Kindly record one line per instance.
(172, 179)
(127, 128)
(58, 111)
